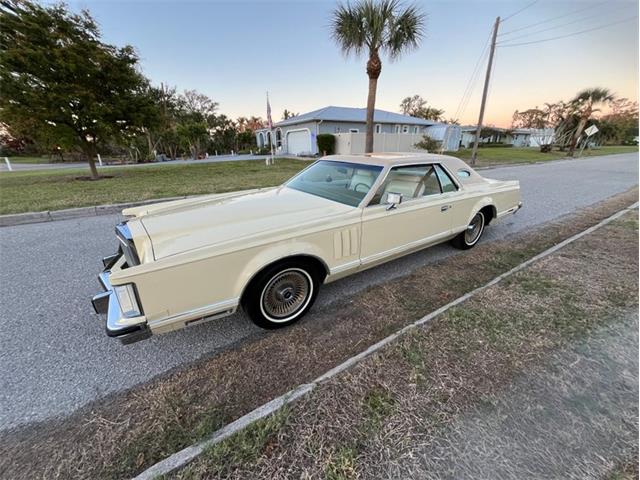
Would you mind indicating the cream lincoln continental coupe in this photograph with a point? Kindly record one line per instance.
(269, 250)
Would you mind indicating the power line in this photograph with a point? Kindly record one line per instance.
(466, 95)
(552, 19)
(519, 11)
(568, 35)
(554, 27)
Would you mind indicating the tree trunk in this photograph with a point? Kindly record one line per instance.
(576, 135)
(374, 67)
(90, 151)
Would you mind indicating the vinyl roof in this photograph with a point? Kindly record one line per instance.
(385, 159)
(349, 114)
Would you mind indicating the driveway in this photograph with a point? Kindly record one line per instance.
(56, 356)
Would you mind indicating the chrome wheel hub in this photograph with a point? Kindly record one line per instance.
(474, 229)
(285, 294)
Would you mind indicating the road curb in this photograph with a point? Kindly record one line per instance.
(80, 212)
(188, 454)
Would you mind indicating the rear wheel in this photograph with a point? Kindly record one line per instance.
(471, 235)
(281, 294)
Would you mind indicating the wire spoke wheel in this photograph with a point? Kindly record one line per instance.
(286, 294)
(474, 229)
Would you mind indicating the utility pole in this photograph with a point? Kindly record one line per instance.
(474, 154)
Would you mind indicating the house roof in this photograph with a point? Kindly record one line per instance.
(349, 114)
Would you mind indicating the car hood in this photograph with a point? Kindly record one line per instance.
(189, 224)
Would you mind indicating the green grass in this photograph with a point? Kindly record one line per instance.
(502, 155)
(57, 189)
(246, 445)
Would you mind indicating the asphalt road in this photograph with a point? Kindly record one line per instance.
(55, 356)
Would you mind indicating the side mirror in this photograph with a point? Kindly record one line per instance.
(393, 199)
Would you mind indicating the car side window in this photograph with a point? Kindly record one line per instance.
(445, 180)
(412, 181)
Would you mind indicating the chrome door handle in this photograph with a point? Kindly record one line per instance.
(444, 208)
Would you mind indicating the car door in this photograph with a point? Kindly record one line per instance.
(420, 220)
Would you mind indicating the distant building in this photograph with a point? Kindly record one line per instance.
(297, 135)
(518, 137)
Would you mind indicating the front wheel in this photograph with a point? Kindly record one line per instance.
(281, 294)
(470, 236)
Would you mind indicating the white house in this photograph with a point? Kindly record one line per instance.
(298, 135)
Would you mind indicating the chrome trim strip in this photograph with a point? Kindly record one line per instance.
(208, 310)
(123, 234)
(343, 267)
(508, 211)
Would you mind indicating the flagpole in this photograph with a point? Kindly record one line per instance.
(270, 122)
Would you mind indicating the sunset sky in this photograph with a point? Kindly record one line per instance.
(235, 51)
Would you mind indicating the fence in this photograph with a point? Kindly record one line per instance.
(353, 143)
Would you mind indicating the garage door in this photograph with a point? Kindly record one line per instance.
(298, 142)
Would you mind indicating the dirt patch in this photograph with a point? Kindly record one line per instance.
(91, 179)
(126, 433)
(536, 377)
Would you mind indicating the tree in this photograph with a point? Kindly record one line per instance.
(255, 123)
(584, 105)
(417, 106)
(198, 105)
(531, 118)
(288, 114)
(58, 79)
(193, 136)
(620, 125)
(376, 27)
(222, 133)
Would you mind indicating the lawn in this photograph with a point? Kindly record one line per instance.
(501, 155)
(32, 191)
(58, 189)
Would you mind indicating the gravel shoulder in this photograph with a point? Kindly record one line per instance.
(125, 433)
(535, 377)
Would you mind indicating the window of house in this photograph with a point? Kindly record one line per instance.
(405, 129)
(354, 130)
(397, 129)
(416, 129)
(378, 128)
(445, 180)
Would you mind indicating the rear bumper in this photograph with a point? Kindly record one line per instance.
(127, 330)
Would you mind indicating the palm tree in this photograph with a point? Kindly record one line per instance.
(376, 27)
(584, 104)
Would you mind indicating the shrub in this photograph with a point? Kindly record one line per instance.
(326, 144)
(493, 145)
(427, 143)
(545, 148)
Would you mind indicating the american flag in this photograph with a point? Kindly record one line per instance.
(269, 121)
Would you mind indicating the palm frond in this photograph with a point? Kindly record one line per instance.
(347, 29)
(379, 25)
(594, 95)
(405, 32)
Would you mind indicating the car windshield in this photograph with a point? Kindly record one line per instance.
(342, 182)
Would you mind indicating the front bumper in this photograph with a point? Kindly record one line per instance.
(127, 330)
